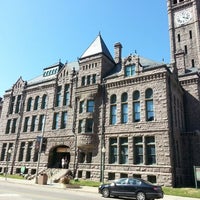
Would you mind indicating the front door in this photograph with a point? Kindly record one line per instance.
(56, 155)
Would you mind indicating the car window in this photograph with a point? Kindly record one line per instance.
(121, 181)
(134, 182)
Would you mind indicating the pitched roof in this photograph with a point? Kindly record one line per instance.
(97, 46)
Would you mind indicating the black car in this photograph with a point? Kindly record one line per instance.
(131, 187)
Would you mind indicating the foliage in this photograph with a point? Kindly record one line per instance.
(65, 180)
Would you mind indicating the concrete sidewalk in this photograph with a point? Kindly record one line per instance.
(82, 188)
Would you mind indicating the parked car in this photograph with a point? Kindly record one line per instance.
(132, 187)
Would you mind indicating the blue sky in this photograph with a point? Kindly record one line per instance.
(35, 34)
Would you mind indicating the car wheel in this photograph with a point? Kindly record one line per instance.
(140, 196)
(106, 192)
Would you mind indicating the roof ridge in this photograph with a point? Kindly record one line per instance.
(96, 47)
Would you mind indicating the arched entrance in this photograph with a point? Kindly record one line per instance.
(56, 155)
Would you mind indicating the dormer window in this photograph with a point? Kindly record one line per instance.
(129, 70)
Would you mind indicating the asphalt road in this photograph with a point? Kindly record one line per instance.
(13, 189)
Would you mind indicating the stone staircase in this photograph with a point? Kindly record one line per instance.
(54, 173)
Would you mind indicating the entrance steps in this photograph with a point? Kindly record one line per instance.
(55, 173)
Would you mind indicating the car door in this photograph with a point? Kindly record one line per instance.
(131, 187)
(118, 188)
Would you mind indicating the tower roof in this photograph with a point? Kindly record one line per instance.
(97, 46)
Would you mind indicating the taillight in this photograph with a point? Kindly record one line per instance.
(155, 188)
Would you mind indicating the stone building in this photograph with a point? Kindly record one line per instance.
(111, 117)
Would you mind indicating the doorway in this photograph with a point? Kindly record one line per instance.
(56, 155)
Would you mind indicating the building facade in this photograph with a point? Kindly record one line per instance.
(111, 117)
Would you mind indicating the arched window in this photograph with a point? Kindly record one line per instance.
(36, 103)
(124, 108)
(113, 109)
(44, 101)
(136, 106)
(29, 104)
(149, 104)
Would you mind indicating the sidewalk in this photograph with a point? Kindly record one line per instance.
(82, 188)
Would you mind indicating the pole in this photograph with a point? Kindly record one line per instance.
(7, 160)
(40, 150)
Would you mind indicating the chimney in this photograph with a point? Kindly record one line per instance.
(118, 52)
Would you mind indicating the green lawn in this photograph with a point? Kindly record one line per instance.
(183, 192)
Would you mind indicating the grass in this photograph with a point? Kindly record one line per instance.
(15, 176)
(183, 192)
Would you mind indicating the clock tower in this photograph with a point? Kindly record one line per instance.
(184, 30)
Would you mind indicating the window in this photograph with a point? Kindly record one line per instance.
(175, 2)
(111, 176)
(33, 123)
(66, 96)
(113, 151)
(55, 120)
(36, 103)
(138, 150)
(123, 150)
(83, 81)
(124, 108)
(81, 126)
(88, 80)
(113, 109)
(81, 157)
(90, 106)
(14, 123)
(94, 78)
(130, 70)
(190, 33)
(8, 126)
(12, 105)
(81, 107)
(89, 125)
(29, 104)
(41, 121)
(18, 104)
(28, 153)
(150, 150)
(185, 47)
(58, 96)
(179, 38)
(3, 152)
(44, 101)
(64, 120)
(87, 175)
(193, 65)
(149, 105)
(136, 106)
(151, 178)
(21, 151)
(85, 157)
(26, 124)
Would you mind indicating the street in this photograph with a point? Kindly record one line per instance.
(10, 190)
(23, 190)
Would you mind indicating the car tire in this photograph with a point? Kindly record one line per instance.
(106, 192)
(140, 196)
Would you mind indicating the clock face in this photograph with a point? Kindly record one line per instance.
(183, 17)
